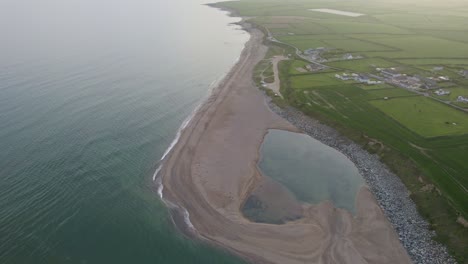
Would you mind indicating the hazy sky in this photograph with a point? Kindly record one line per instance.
(29, 27)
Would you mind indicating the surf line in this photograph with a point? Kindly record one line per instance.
(158, 179)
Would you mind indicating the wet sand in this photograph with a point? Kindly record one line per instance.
(212, 170)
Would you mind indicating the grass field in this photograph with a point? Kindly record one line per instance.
(298, 64)
(390, 93)
(314, 80)
(425, 116)
(304, 44)
(354, 45)
(375, 87)
(362, 65)
(421, 144)
(422, 46)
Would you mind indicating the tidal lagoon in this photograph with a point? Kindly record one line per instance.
(313, 171)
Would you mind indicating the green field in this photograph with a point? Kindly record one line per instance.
(314, 80)
(375, 87)
(354, 45)
(363, 65)
(298, 64)
(422, 46)
(304, 44)
(425, 116)
(390, 93)
(421, 143)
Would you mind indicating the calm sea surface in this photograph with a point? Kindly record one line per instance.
(92, 93)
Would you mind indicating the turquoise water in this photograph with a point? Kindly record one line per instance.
(92, 92)
(313, 171)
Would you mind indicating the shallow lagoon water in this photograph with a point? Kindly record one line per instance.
(311, 170)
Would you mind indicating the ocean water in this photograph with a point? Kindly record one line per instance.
(92, 93)
(311, 170)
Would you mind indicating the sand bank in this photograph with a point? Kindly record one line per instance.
(213, 168)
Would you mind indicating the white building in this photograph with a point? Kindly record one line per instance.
(462, 99)
(442, 92)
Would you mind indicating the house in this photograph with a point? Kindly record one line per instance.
(438, 68)
(429, 83)
(362, 78)
(348, 57)
(344, 77)
(390, 73)
(462, 99)
(442, 92)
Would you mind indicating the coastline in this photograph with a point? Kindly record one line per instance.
(213, 167)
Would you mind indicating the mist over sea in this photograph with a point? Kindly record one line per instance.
(92, 92)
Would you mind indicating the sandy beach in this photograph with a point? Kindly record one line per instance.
(213, 169)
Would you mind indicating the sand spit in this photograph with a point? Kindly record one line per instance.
(213, 168)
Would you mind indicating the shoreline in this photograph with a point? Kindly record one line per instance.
(212, 169)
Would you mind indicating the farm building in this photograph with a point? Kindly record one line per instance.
(462, 99)
(442, 92)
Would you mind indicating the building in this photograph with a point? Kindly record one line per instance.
(438, 68)
(313, 67)
(348, 57)
(356, 77)
(464, 73)
(344, 77)
(462, 99)
(441, 92)
(390, 73)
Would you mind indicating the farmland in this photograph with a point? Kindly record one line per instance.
(425, 140)
(425, 116)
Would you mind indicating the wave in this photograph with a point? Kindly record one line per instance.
(187, 219)
(186, 122)
(157, 172)
(158, 180)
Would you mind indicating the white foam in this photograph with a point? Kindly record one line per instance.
(157, 172)
(159, 183)
(179, 132)
(187, 219)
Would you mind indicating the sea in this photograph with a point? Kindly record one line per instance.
(92, 94)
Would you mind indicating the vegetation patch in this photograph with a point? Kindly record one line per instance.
(355, 45)
(389, 93)
(362, 65)
(314, 80)
(424, 116)
(423, 46)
